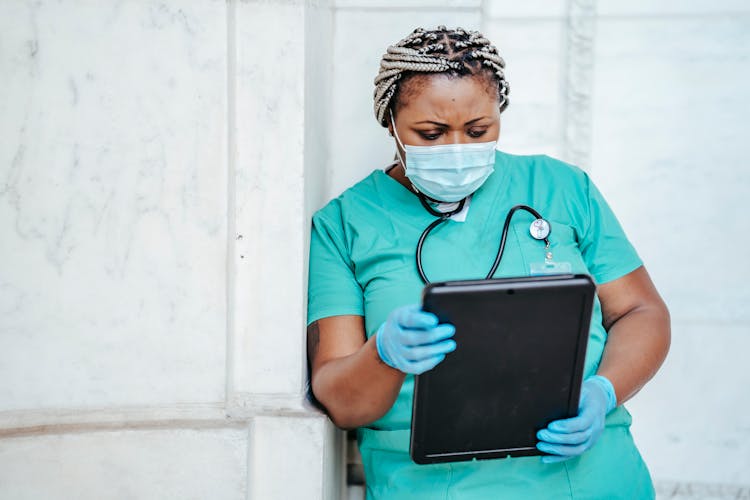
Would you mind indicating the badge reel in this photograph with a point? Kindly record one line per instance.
(540, 230)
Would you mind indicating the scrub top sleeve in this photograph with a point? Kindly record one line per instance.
(606, 250)
(332, 288)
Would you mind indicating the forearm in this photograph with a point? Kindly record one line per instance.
(357, 389)
(637, 344)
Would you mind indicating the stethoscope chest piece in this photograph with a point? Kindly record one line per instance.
(539, 229)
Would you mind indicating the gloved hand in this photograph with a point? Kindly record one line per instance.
(412, 341)
(568, 438)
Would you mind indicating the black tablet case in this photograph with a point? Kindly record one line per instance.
(521, 345)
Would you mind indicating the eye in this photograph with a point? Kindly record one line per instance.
(431, 135)
(477, 132)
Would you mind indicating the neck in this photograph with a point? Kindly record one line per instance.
(399, 174)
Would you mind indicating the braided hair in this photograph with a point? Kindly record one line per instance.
(456, 52)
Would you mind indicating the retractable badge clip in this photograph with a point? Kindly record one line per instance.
(540, 230)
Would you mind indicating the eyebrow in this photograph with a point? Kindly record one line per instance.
(445, 124)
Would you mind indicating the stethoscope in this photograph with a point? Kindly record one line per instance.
(539, 229)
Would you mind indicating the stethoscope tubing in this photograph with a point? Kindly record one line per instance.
(442, 217)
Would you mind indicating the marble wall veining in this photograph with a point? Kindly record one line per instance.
(153, 175)
(113, 186)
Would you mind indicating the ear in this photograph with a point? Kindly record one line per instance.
(390, 130)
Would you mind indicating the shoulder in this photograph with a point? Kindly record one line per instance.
(556, 188)
(547, 180)
(350, 201)
(533, 166)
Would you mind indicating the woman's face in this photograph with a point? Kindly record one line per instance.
(437, 109)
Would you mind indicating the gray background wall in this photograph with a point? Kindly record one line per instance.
(159, 164)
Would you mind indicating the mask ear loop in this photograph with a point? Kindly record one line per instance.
(403, 163)
(398, 139)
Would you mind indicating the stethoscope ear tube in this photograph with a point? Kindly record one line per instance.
(445, 216)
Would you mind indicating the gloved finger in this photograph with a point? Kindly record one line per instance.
(414, 317)
(427, 337)
(563, 450)
(553, 449)
(417, 367)
(420, 353)
(583, 421)
(569, 438)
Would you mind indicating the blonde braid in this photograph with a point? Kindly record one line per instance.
(457, 52)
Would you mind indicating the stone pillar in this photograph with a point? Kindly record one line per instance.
(279, 67)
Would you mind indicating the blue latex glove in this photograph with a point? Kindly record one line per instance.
(570, 437)
(412, 341)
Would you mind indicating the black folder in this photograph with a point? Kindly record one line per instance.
(518, 365)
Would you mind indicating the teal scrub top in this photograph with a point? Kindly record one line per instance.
(362, 263)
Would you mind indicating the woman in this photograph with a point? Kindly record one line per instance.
(447, 88)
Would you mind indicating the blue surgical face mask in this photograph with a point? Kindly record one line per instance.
(448, 172)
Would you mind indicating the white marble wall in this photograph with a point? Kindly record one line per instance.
(154, 210)
(126, 464)
(112, 205)
(649, 96)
